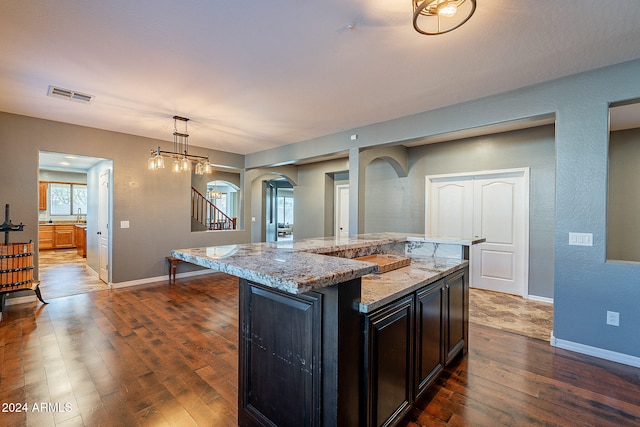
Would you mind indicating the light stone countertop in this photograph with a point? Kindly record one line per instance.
(381, 289)
(298, 267)
(288, 270)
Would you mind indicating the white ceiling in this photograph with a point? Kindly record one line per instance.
(256, 75)
(66, 162)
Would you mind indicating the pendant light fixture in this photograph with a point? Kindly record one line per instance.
(181, 158)
(432, 17)
(214, 193)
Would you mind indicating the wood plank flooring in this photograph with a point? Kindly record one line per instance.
(166, 355)
(62, 272)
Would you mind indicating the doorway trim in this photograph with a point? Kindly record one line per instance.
(339, 208)
(519, 172)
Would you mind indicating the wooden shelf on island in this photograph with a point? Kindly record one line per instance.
(386, 262)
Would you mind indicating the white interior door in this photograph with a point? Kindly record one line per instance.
(103, 227)
(342, 210)
(451, 207)
(493, 205)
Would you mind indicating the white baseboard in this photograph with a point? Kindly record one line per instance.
(600, 353)
(93, 272)
(159, 279)
(31, 298)
(540, 299)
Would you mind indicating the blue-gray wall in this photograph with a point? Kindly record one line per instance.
(623, 213)
(395, 203)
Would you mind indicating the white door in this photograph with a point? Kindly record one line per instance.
(451, 207)
(103, 227)
(342, 210)
(493, 205)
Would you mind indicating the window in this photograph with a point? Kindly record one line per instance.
(68, 199)
(285, 210)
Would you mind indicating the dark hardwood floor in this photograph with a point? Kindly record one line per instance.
(164, 355)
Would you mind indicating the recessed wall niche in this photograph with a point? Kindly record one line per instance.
(215, 202)
(623, 204)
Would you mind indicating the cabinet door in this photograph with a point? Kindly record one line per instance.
(279, 372)
(389, 362)
(63, 236)
(457, 294)
(42, 196)
(429, 335)
(45, 237)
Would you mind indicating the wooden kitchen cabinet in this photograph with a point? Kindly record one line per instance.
(409, 342)
(457, 295)
(389, 362)
(42, 196)
(52, 236)
(429, 335)
(80, 240)
(63, 236)
(279, 330)
(45, 237)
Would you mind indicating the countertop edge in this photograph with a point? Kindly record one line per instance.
(284, 284)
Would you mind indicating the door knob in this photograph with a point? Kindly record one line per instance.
(99, 232)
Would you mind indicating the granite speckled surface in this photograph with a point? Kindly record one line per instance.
(301, 266)
(288, 270)
(381, 289)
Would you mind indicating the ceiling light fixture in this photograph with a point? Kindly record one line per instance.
(214, 193)
(181, 157)
(432, 17)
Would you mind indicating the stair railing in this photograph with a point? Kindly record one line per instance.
(208, 214)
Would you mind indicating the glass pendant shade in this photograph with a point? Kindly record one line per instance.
(199, 169)
(175, 165)
(185, 164)
(155, 161)
(151, 163)
(159, 161)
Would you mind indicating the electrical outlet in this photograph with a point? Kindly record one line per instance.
(613, 318)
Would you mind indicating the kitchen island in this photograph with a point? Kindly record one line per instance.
(326, 340)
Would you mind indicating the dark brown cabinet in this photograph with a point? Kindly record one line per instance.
(299, 356)
(456, 290)
(313, 359)
(281, 332)
(389, 360)
(409, 342)
(429, 335)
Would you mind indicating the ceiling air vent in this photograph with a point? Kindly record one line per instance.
(69, 94)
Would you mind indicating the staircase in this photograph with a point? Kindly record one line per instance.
(207, 214)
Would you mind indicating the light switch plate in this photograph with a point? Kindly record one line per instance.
(581, 239)
(124, 224)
